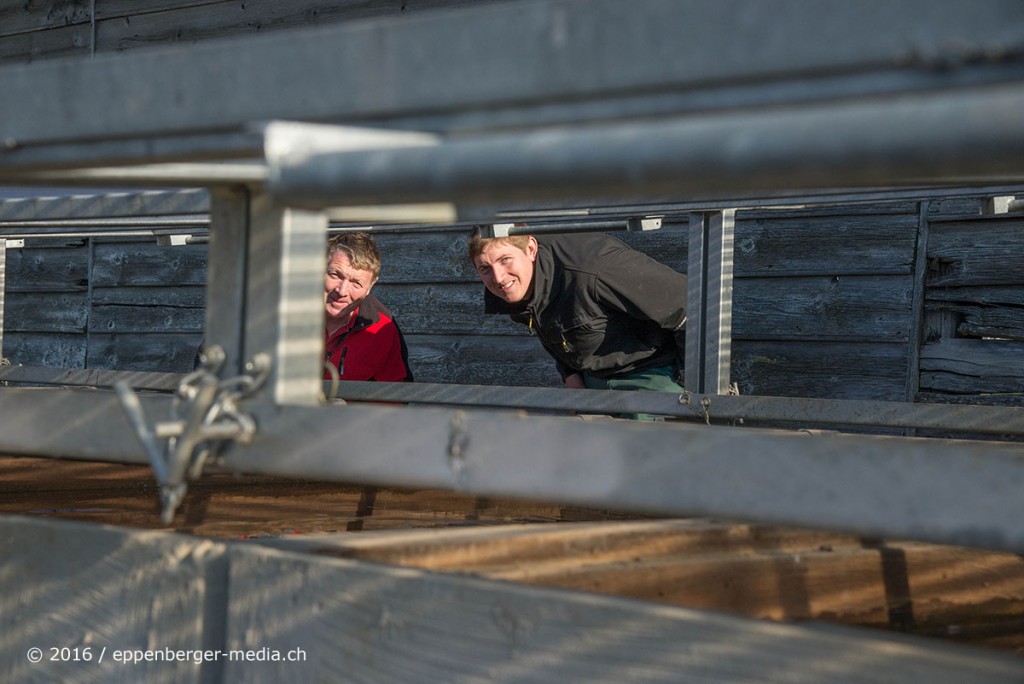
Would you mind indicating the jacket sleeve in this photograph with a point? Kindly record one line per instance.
(395, 367)
(643, 288)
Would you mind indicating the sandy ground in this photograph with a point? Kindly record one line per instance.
(228, 506)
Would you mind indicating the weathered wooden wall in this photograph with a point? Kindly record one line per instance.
(824, 304)
(974, 309)
(31, 31)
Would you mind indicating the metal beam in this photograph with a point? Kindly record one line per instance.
(283, 318)
(709, 302)
(551, 61)
(913, 139)
(944, 491)
(799, 412)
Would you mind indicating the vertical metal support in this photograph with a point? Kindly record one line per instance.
(284, 315)
(3, 289)
(709, 302)
(227, 260)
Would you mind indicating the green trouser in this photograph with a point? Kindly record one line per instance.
(660, 379)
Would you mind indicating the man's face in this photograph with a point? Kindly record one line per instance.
(506, 270)
(344, 287)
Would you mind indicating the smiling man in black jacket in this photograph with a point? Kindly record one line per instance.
(610, 316)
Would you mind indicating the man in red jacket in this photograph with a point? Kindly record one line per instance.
(361, 339)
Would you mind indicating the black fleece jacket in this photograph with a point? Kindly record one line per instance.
(601, 307)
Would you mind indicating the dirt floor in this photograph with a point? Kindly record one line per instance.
(760, 571)
(237, 507)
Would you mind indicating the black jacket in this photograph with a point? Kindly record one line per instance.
(600, 307)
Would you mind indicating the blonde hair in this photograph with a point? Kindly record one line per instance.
(360, 249)
(478, 245)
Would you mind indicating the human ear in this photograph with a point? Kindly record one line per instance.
(531, 248)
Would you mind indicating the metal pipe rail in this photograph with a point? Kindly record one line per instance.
(945, 491)
(710, 408)
(972, 136)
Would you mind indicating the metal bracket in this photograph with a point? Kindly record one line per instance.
(206, 418)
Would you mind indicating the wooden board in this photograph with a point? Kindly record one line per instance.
(754, 570)
(980, 252)
(970, 366)
(838, 370)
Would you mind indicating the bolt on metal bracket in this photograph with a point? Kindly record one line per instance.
(206, 418)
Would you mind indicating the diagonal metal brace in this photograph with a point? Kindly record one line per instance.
(178, 449)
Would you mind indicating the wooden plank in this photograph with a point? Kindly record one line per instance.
(981, 252)
(481, 360)
(228, 506)
(389, 624)
(969, 366)
(445, 308)
(171, 309)
(828, 246)
(821, 369)
(986, 321)
(753, 570)
(158, 352)
(59, 42)
(38, 267)
(803, 212)
(850, 308)
(41, 312)
(425, 257)
(166, 23)
(995, 295)
(146, 263)
(153, 318)
(441, 256)
(54, 350)
(993, 311)
(17, 16)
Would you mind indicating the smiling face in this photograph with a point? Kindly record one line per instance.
(507, 270)
(344, 287)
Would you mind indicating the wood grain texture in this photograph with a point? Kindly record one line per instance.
(146, 263)
(821, 369)
(980, 252)
(753, 570)
(48, 267)
(50, 349)
(970, 366)
(165, 352)
(395, 624)
(828, 246)
(848, 308)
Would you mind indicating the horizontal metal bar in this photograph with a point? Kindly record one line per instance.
(576, 210)
(948, 491)
(912, 139)
(75, 377)
(158, 175)
(1000, 420)
(181, 211)
(718, 409)
(64, 205)
(535, 55)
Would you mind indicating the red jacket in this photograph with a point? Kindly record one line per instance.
(372, 349)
